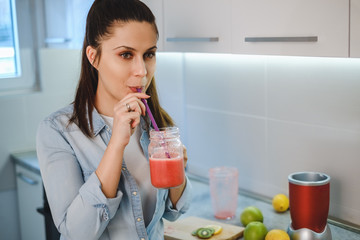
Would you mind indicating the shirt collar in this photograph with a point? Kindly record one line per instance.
(98, 122)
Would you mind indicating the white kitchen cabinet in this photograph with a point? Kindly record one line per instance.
(197, 25)
(355, 28)
(65, 22)
(283, 27)
(57, 19)
(30, 197)
(156, 6)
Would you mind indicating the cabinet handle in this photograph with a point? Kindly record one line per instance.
(193, 39)
(57, 40)
(27, 179)
(282, 39)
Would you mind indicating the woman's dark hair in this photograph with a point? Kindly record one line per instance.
(101, 17)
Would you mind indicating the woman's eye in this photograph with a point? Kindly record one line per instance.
(149, 55)
(126, 55)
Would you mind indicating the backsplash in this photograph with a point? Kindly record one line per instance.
(268, 116)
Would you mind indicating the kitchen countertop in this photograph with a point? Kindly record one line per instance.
(201, 207)
(28, 160)
(201, 203)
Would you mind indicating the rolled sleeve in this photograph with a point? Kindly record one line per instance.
(92, 193)
(172, 213)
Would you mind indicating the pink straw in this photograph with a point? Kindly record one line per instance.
(152, 119)
(148, 111)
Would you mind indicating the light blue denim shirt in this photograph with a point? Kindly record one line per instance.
(68, 160)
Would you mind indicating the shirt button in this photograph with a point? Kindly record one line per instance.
(123, 168)
(134, 193)
(138, 219)
(105, 216)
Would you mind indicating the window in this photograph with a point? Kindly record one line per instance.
(27, 26)
(18, 46)
(9, 47)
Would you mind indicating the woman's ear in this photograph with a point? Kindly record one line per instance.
(91, 55)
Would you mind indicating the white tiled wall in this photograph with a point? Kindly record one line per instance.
(170, 85)
(226, 82)
(318, 91)
(271, 116)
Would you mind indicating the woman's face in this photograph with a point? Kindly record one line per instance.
(127, 59)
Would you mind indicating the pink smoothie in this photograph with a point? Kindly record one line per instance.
(166, 172)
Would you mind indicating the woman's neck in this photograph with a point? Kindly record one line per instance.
(104, 104)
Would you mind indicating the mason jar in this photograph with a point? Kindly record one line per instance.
(166, 158)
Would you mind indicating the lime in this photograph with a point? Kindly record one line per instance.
(277, 234)
(255, 231)
(251, 214)
(280, 203)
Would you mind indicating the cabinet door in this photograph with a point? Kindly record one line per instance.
(197, 25)
(65, 22)
(355, 28)
(156, 6)
(291, 27)
(57, 16)
(30, 197)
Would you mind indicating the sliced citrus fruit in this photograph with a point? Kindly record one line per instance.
(217, 228)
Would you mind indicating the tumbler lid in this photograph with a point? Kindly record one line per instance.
(309, 178)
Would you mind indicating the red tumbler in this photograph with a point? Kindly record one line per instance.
(309, 194)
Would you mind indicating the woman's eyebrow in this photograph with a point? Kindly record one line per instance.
(133, 49)
(126, 47)
(153, 48)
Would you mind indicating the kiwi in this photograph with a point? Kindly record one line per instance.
(205, 233)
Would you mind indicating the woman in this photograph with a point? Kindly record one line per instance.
(93, 153)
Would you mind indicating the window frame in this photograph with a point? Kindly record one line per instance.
(26, 79)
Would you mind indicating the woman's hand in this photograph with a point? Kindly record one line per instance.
(127, 114)
(175, 193)
(185, 155)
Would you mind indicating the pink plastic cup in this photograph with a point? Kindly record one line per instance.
(224, 191)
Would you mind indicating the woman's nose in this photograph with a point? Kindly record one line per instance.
(140, 67)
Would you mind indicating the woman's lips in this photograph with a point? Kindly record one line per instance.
(135, 89)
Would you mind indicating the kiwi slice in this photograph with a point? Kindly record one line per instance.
(194, 233)
(204, 233)
(212, 230)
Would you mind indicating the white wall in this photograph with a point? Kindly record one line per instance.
(169, 78)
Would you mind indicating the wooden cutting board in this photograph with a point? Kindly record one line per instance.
(181, 229)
